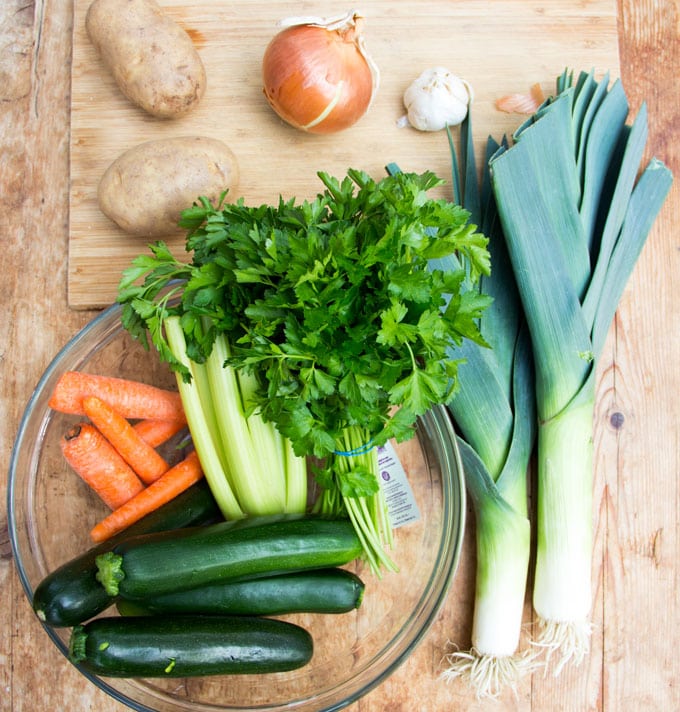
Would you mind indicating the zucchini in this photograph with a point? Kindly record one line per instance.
(184, 646)
(318, 591)
(71, 593)
(247, 548)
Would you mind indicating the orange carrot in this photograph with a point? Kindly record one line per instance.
(168, 486)
(130, 398)
(141, 457)
(156, 432)
(96, 461)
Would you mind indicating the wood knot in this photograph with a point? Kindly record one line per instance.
(616, 420)
(655, 547)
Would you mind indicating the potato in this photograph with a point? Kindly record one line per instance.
(146, 188)
(152, 59)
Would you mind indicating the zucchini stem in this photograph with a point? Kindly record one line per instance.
(110, 571)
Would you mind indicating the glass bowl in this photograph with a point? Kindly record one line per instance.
(51, 512)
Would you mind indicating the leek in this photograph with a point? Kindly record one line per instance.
(494, 411)
(575, 216)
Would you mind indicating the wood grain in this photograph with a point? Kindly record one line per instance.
(506, 51)
(634, 663)
(638, 462)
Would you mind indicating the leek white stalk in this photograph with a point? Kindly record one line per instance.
(562, 585)
(575, 217)
(567, 446)
(503, 539)
(504, 604)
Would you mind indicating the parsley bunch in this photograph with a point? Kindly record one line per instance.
(335, 306)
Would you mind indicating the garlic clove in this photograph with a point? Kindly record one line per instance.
(522, 103)
(437, 99)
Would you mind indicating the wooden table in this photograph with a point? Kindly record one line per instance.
(633, 664)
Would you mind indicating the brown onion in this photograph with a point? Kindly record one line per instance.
(317, 75)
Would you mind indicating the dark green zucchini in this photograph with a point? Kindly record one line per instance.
(71, 594)
(254, 547)
(317, 591)
(184, 646)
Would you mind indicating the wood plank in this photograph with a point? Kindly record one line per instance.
(640, 473)
(507, 50)
(34, 320)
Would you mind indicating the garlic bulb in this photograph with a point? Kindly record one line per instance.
(436, 99)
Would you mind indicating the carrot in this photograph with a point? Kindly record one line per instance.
(141, 457)
(168, 486)
(131, 399)
(156, 432)
(97, 462)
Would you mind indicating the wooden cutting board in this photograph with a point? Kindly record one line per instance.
(499, 47)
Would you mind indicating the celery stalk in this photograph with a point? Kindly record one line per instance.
(275, 452)
(259, 478)
(202, 426)
(250, 468)
(296, 478)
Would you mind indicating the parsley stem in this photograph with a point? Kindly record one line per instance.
(355, 491)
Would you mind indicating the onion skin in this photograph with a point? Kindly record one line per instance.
(318, 80)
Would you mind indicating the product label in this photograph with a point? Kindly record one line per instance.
(401, 504)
